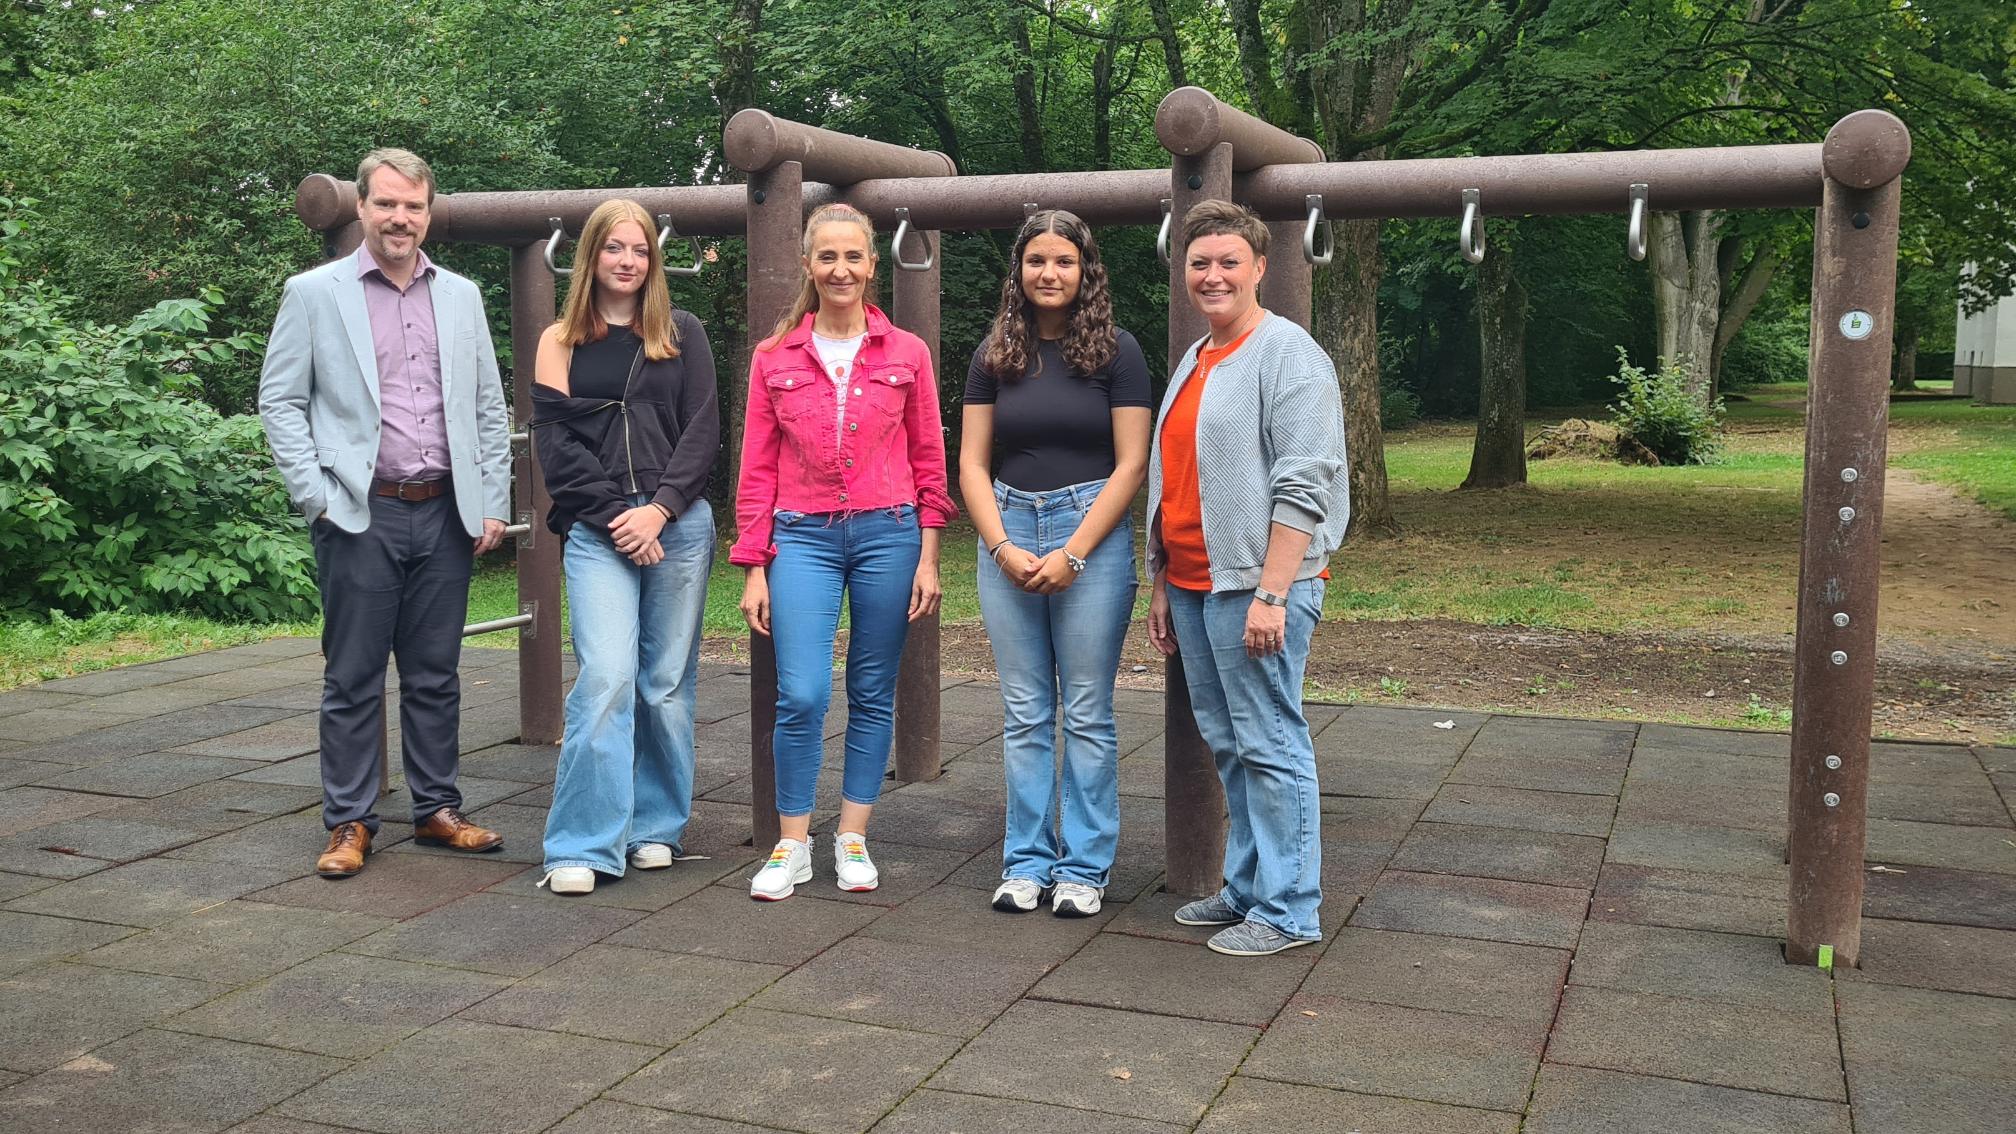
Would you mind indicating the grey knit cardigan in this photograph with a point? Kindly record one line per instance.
(1270, 449)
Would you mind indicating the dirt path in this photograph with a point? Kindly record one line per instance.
(1949, 568)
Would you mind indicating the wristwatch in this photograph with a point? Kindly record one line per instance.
(1076, 564)
(1262, 594)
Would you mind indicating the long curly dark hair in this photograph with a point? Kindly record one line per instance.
(1089, 341)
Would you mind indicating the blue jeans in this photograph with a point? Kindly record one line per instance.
(1249, 711)
(626, 762)
(1059, 647)
(871, 557)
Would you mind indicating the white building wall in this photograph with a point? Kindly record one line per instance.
(1984, 352)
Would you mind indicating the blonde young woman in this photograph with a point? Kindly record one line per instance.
(842, 493)
(627, 428)
(1054, 445)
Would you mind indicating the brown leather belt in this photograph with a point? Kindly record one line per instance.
(410, 490)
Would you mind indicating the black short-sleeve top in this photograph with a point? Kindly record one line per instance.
(1053, 428)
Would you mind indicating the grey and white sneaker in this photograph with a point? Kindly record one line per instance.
(651, 856)
(790, 863)
(1252, 939)
(853, 870)
(1018, 895)
(1075, 899)
(1214, 910)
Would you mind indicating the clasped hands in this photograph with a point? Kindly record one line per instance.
(1048, 575)
(635, 532)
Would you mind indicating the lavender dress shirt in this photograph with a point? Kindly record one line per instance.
(414, 442)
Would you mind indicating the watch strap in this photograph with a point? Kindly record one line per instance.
(1262, 594)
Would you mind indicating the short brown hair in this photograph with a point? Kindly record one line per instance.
(408, 164)
(1224, 218)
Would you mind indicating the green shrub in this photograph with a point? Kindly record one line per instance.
(120, 490)
(1660, 413)
(1767, 351)
(1399, 407)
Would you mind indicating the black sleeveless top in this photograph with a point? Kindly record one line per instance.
(599, 369)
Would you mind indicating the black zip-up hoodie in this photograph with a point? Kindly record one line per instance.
(662, 437)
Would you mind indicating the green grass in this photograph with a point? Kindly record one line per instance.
(1585, 545)
(64, 647)
(1971, 448)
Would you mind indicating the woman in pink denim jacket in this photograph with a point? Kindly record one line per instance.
(843, 489)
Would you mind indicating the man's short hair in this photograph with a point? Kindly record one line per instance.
(1224, 218)
(409, 165)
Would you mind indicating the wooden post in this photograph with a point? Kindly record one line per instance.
(776, 227)
(1194, 804)
(540, 715)
(1848, 403)
(918, 753)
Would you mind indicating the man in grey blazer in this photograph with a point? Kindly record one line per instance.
(384, 411)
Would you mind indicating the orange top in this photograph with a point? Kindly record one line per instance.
(1182, 506)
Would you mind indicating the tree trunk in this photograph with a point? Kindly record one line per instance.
(1904, 366)
(1756, 280)
(1356, 95)
(1172, 48)
(1345, 318)
(1033, 160)
(1687, 293)
(734, 91)
(1498, 458)
(1255, 60)
(1102, 103)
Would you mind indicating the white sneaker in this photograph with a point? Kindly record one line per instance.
(1075, 899)
(1018, 895)
(790, 863)
(852, 868)
(651, 856)
(569, 880)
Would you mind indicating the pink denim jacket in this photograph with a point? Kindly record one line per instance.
(796, 456)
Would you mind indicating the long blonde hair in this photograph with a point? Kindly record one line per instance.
(808, 292)
(580, 321)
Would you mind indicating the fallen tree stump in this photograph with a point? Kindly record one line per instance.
(1579, 437)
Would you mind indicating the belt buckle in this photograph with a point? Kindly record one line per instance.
(418, 486)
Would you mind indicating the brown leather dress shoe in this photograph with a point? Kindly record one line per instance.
(348, 844)
(447, 828)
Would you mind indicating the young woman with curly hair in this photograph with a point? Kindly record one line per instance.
(1054, 445)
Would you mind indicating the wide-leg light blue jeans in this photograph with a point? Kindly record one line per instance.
(1249, 712)
(1051, 651)
(626, 761)
(871, 559)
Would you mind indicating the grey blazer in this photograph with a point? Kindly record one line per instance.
(318, 397)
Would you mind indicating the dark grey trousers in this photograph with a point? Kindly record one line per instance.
(400, 588)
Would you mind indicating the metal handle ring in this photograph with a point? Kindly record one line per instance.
(1471, 238)
(1162, 234)
(1315, 203)
(1641, 198)
(896, 246)
(665, 230)
(553, 245)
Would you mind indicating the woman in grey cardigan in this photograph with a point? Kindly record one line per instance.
(1247, 497)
